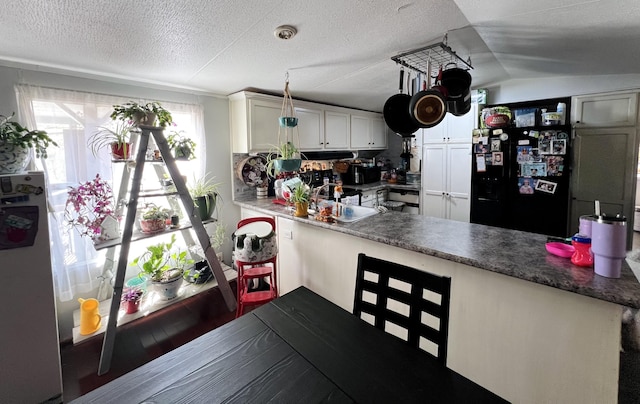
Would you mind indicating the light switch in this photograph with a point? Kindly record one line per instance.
(287, 234)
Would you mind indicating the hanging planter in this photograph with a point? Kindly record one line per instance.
(286, 156)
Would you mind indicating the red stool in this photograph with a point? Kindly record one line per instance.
(259, 264)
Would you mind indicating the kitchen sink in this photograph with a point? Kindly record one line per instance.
(359, 213)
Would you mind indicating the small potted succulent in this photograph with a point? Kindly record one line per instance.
(154, 219)
(204, 192)
(116, 137)
(88, 206)
(131, 299)
(142, 114)
(182, 146)
(16, 141)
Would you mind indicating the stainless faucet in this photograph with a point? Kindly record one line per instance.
(313, 204)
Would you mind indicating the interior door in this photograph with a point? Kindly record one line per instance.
(605, 170)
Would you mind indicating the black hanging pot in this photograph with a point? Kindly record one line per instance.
(396, 112)
(428, 107)
(458, 84)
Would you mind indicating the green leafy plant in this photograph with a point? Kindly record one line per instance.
(17, 135)
(132, 111)
(301, 194)
(161, 263)
(119, 134)
(286, 151)
(182, 146)
(154, 212)
(203, 186)
(218, 236)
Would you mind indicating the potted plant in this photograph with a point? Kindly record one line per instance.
(283, 158)
(116, 137)
(154, 219)
(204, 192)
(145, 114)
(164, 267)
(300, 196)
(201, 272)
(16, 141)
(131, 299)
(182, 146)
(88, 206)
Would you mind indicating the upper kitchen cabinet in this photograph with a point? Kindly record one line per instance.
(254, 121)
(453, 129)
(310, 126)
(254, 125)
(368, 131)
(605, 110)
(337, 130)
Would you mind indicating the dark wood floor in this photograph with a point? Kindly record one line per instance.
(142, 341)
(145, 339)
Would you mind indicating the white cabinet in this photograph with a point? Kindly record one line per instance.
(453, 129)
(253, 119)
(310, 127)
(337, 130)
(446, 181)
(605, 110)
(368, 132)
(254, 122)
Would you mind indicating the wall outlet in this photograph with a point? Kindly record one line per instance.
(287, 234)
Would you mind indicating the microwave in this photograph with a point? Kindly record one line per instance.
(357, 175)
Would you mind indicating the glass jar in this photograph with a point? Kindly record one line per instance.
(582, 253)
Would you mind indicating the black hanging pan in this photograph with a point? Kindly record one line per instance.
(429, 106)
(458, 83)
(396, 112)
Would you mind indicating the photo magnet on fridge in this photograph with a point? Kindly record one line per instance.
(559, 146)
(525, 186)
(497, 158)
(524, 154)
(495, 144)
(534, 169)
(546, 186)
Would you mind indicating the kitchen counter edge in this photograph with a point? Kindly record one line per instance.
(513, 253)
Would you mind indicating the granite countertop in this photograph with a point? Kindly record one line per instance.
(513, 253)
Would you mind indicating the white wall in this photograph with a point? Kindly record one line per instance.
(216, 123)
(536, 89)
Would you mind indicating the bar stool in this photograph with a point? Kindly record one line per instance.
(255, 255)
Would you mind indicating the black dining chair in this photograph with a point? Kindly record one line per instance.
(385, 289)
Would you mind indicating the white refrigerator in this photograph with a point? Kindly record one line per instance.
(30, 368)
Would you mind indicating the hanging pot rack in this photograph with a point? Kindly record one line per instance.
(429, 59)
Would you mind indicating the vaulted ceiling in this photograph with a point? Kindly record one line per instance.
(342, 51)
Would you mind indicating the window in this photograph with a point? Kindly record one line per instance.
(70, 118)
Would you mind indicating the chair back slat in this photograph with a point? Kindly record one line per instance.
(412, 300)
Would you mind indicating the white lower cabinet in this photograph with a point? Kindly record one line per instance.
(446, 181)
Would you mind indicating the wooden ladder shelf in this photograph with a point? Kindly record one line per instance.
(196, 222)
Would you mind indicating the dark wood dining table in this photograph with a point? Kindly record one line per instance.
(300, 348)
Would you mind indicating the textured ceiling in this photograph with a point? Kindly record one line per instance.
(342, 53)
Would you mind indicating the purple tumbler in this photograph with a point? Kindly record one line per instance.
(609, 244)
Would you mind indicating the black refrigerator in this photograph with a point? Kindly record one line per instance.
(521, 171)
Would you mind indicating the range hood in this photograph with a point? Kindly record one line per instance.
(340, 154)
(328, 155)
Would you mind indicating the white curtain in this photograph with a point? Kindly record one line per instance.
(70, 118)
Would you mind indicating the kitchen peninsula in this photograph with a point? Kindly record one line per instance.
(527, 325)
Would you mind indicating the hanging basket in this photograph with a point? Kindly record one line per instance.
(287, 165)
(288, 121)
